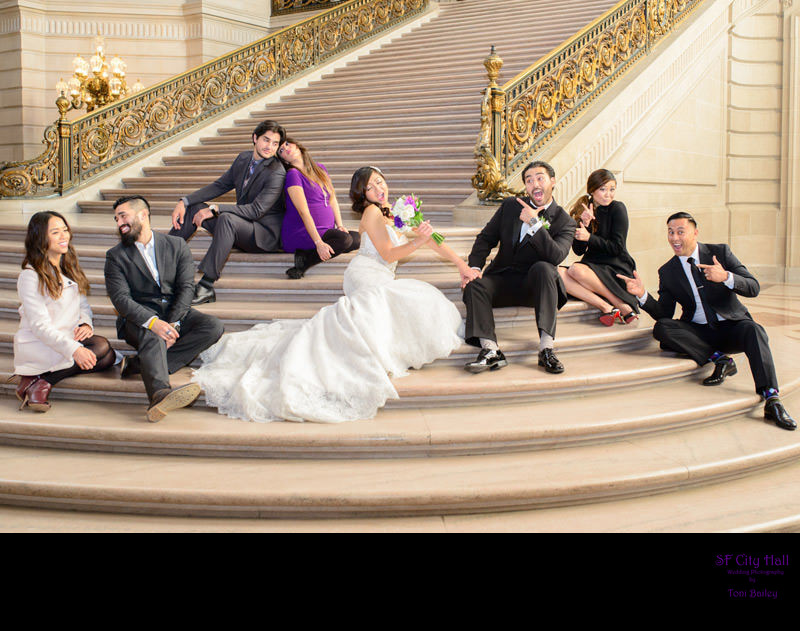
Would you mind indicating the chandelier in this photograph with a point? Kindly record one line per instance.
(96, 82)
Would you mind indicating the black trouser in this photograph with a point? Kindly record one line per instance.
(157, 362)
(102, 350)
(341, 242)
(228, 231)
(538, 288)
(700, 341)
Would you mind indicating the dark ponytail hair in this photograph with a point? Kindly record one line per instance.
(596, 179)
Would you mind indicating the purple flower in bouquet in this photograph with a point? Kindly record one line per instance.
(407, 214)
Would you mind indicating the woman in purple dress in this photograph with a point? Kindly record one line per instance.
(312, 226)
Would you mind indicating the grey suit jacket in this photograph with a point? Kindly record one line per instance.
(136, 295)
(260, 201)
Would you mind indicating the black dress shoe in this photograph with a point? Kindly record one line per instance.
(487, 360)
(548, 359)
(775, 412)
(723, 367)
(129, 365)
(168, 399)
(203, 294)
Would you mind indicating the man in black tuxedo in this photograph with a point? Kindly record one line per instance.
(705, 280)
(535, 235)
(253, 223)
(150, 280)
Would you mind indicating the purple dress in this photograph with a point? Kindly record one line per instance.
(294, 235)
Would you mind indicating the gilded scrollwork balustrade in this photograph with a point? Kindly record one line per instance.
(77, 151)
(521, 117)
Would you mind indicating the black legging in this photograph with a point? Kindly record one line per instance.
(102, 350)
(339, 240)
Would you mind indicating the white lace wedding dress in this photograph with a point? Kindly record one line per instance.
(337, 365)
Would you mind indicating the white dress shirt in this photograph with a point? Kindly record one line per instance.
(699, 316)
(148, 252)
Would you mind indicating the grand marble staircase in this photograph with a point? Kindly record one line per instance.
(624, 440)
(412, 107)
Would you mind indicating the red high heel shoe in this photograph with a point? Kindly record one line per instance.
(631, 317)
(608, 318)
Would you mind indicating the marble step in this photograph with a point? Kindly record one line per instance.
(241, 315)
(92, 257)
(441, 194)
(543, 423)
(325, 286)
(192, 181)
(324, 488)
(338, 114)
(162, 205)
(445, 383)
(208, 170)
(764, 501)
(385, 142)
(517, 339)
(89, 229)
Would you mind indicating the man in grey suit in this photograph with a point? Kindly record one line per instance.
(150, 281)
(253, 223)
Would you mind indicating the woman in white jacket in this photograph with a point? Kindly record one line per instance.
(55, 339)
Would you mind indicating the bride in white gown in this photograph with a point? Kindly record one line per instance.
(338, 365)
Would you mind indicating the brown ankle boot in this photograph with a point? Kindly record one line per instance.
(36, 396)
(24, 382)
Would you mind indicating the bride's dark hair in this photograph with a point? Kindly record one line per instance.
(358, 189)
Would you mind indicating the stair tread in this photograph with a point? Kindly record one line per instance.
(600, 415)
(404, 486)
(763, 501)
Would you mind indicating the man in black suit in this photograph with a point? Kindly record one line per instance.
(705, 280)
(150, 280)
(253, 223)
(535, 235)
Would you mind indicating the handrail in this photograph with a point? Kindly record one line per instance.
(284, 7)
(521, 117)
(80, 150)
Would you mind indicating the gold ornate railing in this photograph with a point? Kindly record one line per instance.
(522, 116)
(282, 7)
(77, 151)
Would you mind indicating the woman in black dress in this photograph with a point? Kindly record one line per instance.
(600, 237)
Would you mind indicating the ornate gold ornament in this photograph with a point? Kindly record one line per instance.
(546, 97)
(489, 180)
(282, 7)
(77, 151)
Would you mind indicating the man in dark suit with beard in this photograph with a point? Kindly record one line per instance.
(253, 223)
(150, 281)
(705, 279)
(535, 235)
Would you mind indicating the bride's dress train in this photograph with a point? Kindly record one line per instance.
(337, 365)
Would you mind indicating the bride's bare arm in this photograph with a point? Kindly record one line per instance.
(375, 226)
(447, 252)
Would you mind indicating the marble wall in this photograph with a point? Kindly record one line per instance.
(156, 38)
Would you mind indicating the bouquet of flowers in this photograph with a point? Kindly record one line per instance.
(407, 215)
